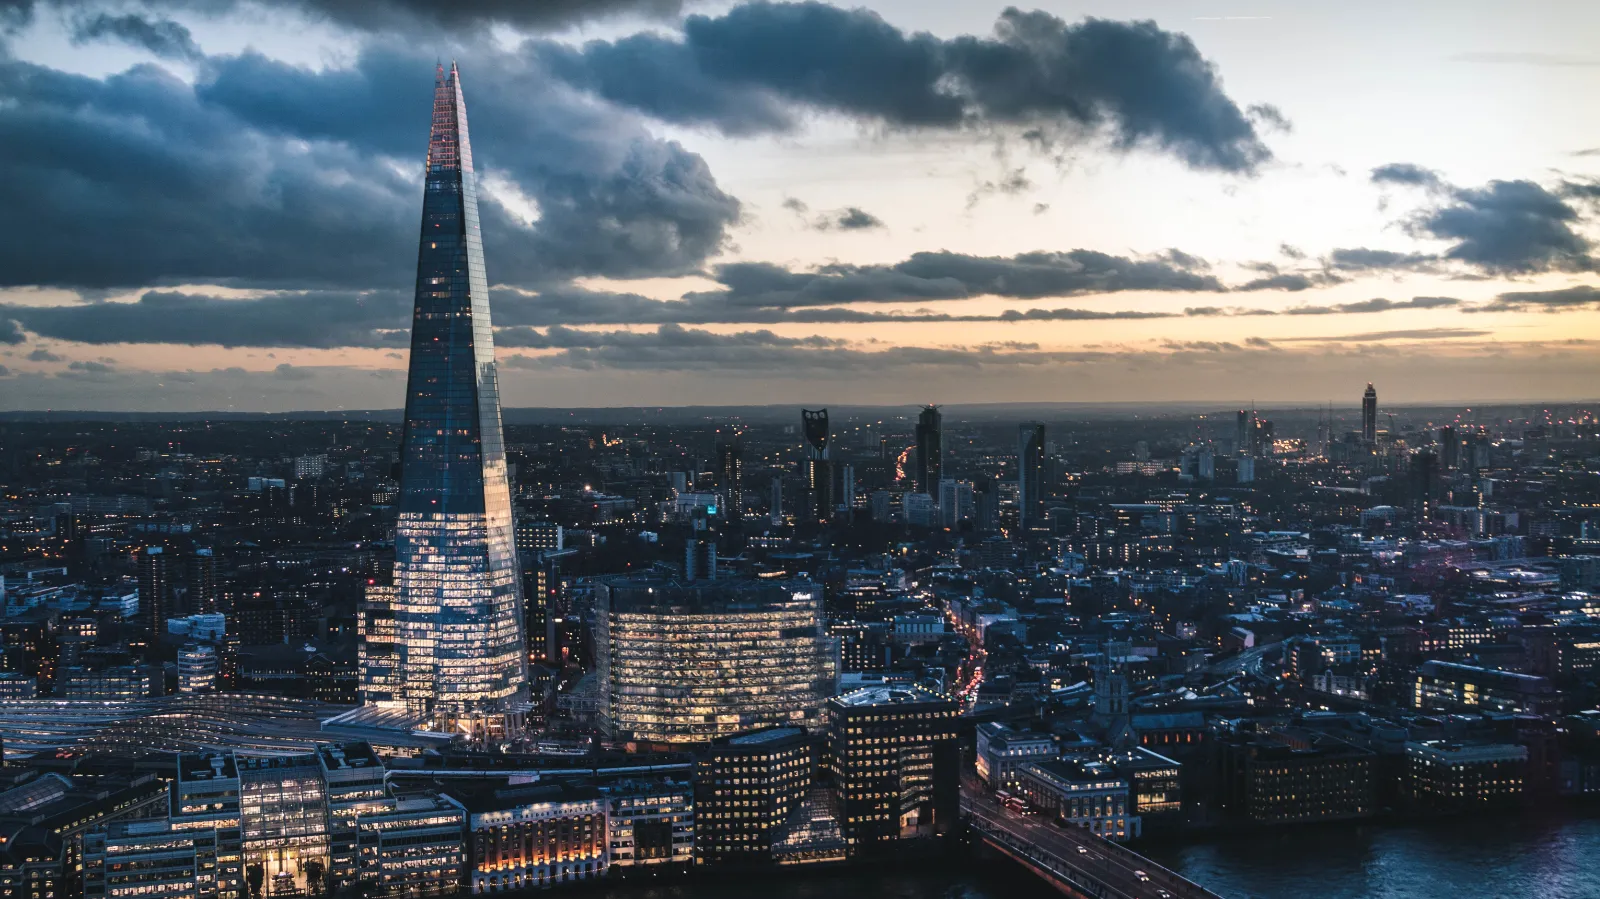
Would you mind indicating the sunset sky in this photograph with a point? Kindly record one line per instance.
(214, 205)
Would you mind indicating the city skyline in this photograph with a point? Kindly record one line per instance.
(1166, 204)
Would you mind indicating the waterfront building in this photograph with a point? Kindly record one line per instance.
(689, 662)
(154, 858)
(1155, 787)
(412, 847)
(1451, 777)
(1452, 687)
(746, 787)
(532, 835)
(458, 603)
(1084, 794)
(1292, 775)
(1002, 749)
(895, 760)
(354, 778)
(649, 822)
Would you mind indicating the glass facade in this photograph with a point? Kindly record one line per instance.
(682, 663)
(458, 604)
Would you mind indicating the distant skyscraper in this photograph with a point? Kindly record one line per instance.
(818, 469)
(730, 477)
(1030, 473)
(1369, 414)
(458, 602)
(155, 591)
(930, 450)
(202, 581)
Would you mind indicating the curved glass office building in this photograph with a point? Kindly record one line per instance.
(691, 662)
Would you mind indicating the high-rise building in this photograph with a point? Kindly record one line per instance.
(730, 477)
(202, 570)
(930, 450)
(1369, 414)
(458, 602)
(1244, 432)
(155, 591)
(197, 668)
(818, 464)
(690, 662)
(1030, 474)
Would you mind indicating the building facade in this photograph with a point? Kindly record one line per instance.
(687, 663)
(458, 603)
(895, 760)
(746, 786)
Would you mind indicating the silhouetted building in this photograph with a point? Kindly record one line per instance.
(930, 450)
(1369, 415)
(818, 469)
(1030, 475)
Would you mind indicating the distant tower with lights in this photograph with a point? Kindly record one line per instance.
(1369, 415)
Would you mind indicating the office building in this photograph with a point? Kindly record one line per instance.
(746, 787)
(930, 450)
(1085, 794)
(156, 569)
(895, 760)
(818, 465)
(353, 777)
(1002, 749)
(412, 846)
(1030, 475)
(955, 503)
(197, 668)
(1292, 775)
(689, 662)
(283, 820)
(650, 822)
(1369, 415)
(458, 605)
(1451, 687)
(532, 835)
(730, 477)
(1450, 777)
(202, 582)
(154, 858)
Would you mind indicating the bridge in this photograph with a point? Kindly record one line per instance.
(1072, 859)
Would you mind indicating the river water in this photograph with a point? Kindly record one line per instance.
(1487, 858)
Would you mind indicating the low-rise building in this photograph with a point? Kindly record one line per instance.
(526, 836)
(1002, 749)
(1443, 776)
(649, 822)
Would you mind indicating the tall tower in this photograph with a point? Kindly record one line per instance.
(930, 450)
(458, 597)
(818, 467)
(155, 592)
(1369, 415)
(1030, 474)
(730, 477)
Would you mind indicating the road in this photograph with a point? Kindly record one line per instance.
(1116, 869)
(1248, 662)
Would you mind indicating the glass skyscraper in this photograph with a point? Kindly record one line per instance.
(460, 657)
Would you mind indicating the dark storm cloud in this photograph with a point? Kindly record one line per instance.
(1509, 227)
(320, 319)
(414, 16)
(162, 37)
(612, 199)
(757, 67)
(856, 219)
(1504, 227)
(262, 174)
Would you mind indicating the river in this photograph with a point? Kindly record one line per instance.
(1487, 858)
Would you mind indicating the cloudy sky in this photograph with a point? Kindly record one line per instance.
(213, 204)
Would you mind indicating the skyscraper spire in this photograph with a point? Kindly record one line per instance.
(460, 658)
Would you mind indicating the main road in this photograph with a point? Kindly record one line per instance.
(1076, 860)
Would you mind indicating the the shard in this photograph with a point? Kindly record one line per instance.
(460, 657)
